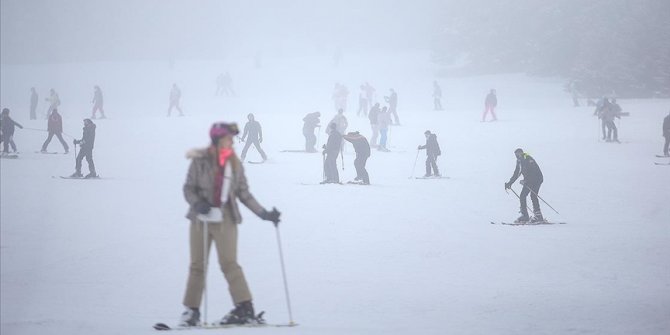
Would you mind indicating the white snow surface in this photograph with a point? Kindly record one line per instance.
(401, 256)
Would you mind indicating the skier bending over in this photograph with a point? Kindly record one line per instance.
(216, 180)
(432, 151)
(311, 122)
(255, 132)
(362, 148)
(527, 166)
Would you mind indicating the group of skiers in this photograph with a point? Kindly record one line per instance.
(54, 102)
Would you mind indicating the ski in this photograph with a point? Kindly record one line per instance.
(46, 152)
(90, 178)
(656, 163)
(662, 156)
(441, 177)
(303, 151)
(528, 223)
(254, 162)
(10, 156)
(357, 183)
(163, 326)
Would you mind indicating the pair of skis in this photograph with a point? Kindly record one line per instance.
(661, 156)
(162, 326)
(545, 222)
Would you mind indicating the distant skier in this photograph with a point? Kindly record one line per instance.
(362, 102)
(490, 104)
(214, 184)
(226, 85)
(574, 92)
(373, 116)
(362, 148)
(607, 113)
(8, 126)
(341, 121)
(55, 127)
(331, 151)
(384, 121)
(311, 122)
(54, 101)
(527, 166)
(340, 97)
(253, 134)
(86, 150)
(34, 98)
(392, 100)
(219, 85)
(602, 106)
(666, 134)
(432, 151)
(175, 97)
(97, 103)
(369, 93)
(437, 96)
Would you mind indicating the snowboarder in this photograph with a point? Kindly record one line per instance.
(362, 102)
(666, 134)
(527, 166)
(362, 148)
(86, 150)
(331, 151)
(393, 105)
(55, 127)
(214, 184)
(373, 116)
(54, 101)
(255, 136)
(490, 104)
(432, 151)
(33, 103)
(175, 97)
(437, 96)
(383, 121)
(8, 127)
(97, 103)
(311, 122)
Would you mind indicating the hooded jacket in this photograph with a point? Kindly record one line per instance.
(200, 185)
(527, 166)
(432, 147)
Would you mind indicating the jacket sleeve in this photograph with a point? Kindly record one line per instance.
(516, 173)
(245, 196)
(191, 185)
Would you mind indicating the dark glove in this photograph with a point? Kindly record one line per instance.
(271, 216)
(202, 207)
(418, 148)
(508, 185)
(75, 142)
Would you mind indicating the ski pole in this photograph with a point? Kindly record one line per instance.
(283, 271)
(205, 256)
(511, 189)
(324, 167)
(546, 203)
(318, 139)
(415, 160)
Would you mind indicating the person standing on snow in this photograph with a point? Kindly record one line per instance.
(54, 101)
(255, 136)
(331, 151)
(175, 97)
(311, 122)
(532, 180)
(362, 102)
(432, 151)
(55, 127)
(437, 96)
(86, 150)
(340, 121)
(369, 93)
(666, 134)
(214, 183)
(490, 104)
(97, 103)
(393, 105)
(34, 98)
(8, 126)
(362, 148)
(612, 111)
(384, 121)
(373, 116)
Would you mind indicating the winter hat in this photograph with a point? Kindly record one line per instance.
(427, 132)
(518, 150)
(221, 129)
(5, 111)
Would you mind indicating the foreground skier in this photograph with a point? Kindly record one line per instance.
(527, 166)
(214, 182)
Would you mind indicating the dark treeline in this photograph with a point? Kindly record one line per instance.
(601, 45)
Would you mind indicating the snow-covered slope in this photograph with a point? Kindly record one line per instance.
(401, 256)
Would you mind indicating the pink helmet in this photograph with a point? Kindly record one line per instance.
(221, 129)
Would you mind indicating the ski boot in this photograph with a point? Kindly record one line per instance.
(243, 313)
(76, 175)
(537, 218)
(522, 219)
(190, 317)
(91, 175)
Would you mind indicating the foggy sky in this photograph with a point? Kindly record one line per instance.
(92, 30)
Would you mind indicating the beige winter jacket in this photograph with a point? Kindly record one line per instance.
(200, 185)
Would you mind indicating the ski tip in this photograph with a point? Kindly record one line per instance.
(161, 326)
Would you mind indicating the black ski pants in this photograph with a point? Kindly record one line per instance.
(666, 146)
(330, 167)
(527, 187)
(361, 172)
(60, 138)
(431, 162)
(611, 127)
(88, 153)
(257, 144)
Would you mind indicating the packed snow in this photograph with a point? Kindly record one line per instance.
(401, 256)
